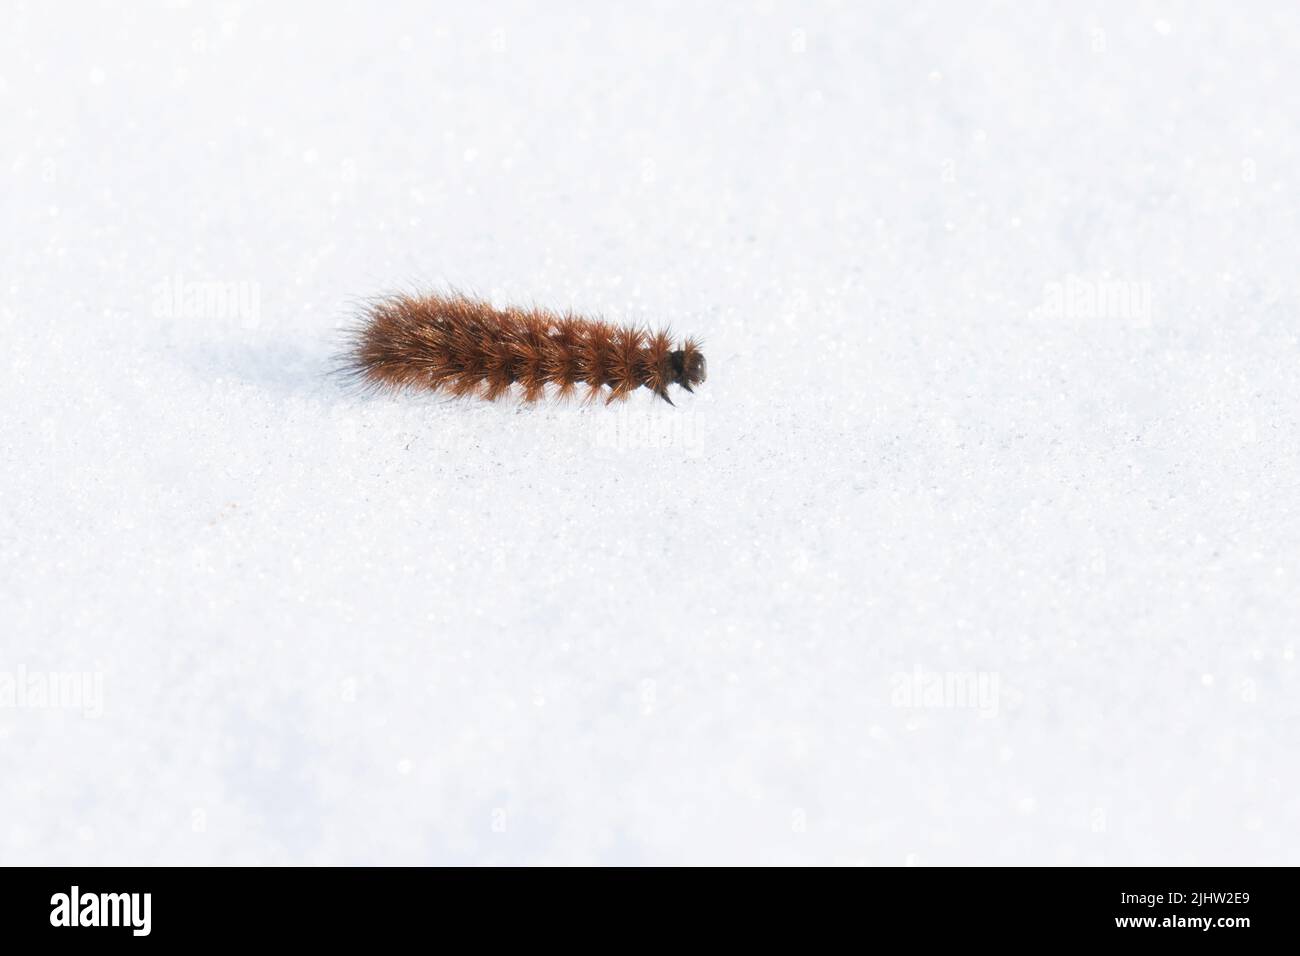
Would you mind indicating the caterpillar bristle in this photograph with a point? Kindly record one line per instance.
(466, 347)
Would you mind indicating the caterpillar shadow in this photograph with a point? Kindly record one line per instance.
(281, 368)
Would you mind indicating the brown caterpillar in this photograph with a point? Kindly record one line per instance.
(466, 347)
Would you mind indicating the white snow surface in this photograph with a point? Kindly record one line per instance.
(981, 544)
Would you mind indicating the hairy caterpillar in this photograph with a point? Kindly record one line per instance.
(466, 347)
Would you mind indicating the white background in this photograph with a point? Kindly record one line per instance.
(337, 628)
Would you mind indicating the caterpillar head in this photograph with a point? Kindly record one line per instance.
(688, 366)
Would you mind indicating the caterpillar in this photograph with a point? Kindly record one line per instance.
(467, 347)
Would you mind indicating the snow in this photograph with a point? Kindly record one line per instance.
(979, 544)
